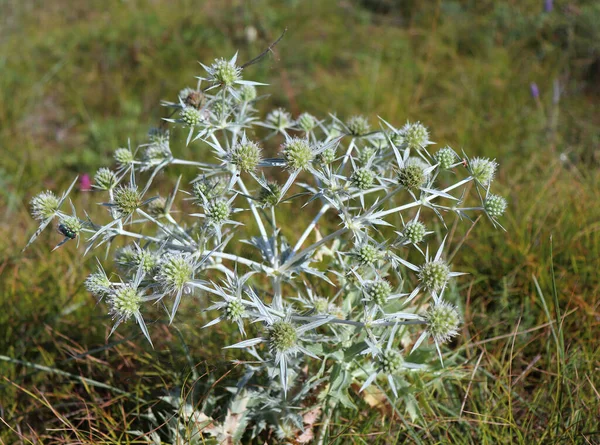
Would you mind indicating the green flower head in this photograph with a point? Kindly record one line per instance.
(495, 205)
(282, 336)
(44, 205)
(298, 153)
(442, 321)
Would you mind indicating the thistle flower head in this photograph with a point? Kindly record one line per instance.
(446, 157)
(156, 153)
(205, 188)
(307, 122)
(483, 170)
(434, 275)
(415, 135)
(282, 336)
(126, 200)
(125, 256)
(224, 72)
(321, 305)
(391, 362)
(327, 156)
(367, 254)
(123, 156)
(174, 271)
(217, 211)
(220, 108)
(98, 284)
(191, 116)
(415, 231)
(234, 310)
(44, 205)
(160, 136)
(413, 174)
(125, 301)
(146, 259)
(105, 179)
(495, 205)
(245, 155)
(358, 125)
(279, 118)
(442, 321)
(378, 291)
(363, 178)
(247, 93)
(270, 195)
(366, 154)
(298, 153)
(70, 226)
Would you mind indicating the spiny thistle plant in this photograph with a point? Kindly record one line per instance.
(352, 305)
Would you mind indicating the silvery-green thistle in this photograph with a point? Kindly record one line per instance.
(442, 322)
(270, 194)
(126, 200)
(433, 274)
(175, 271)
(377, 291)
(414, 231)
(389, 362)
(415, 136)
(105, 179)
(232, 306)
(285, 339)
(217, 211)
(125, 301)
(191, 116)
(495, 205)
(124, 157)
(159, 136)
(224, 72)
(298, 153)
(98, 284)
(306, 122)
(358, 126)
(367, 254)
(279, 119)
(483, 170)
(145, 259)
(247, 93)
(327, 156)
(363, 178)
(70, 226)
(414, 173)
(245, 155)
(446, 158)
(156, 153)
(206, 188)
(366, 154)
(44, 205)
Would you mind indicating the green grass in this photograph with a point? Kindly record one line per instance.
(80, 78)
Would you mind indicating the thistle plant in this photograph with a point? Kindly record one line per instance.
(307, 268)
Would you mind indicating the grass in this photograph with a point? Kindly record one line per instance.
(80, 78)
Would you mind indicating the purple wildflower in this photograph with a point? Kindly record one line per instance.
(535, 91)
(85, 183)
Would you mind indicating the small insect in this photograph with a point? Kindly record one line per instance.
(64, 230)
(464, 163)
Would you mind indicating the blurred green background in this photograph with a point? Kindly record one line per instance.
(514, 80)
